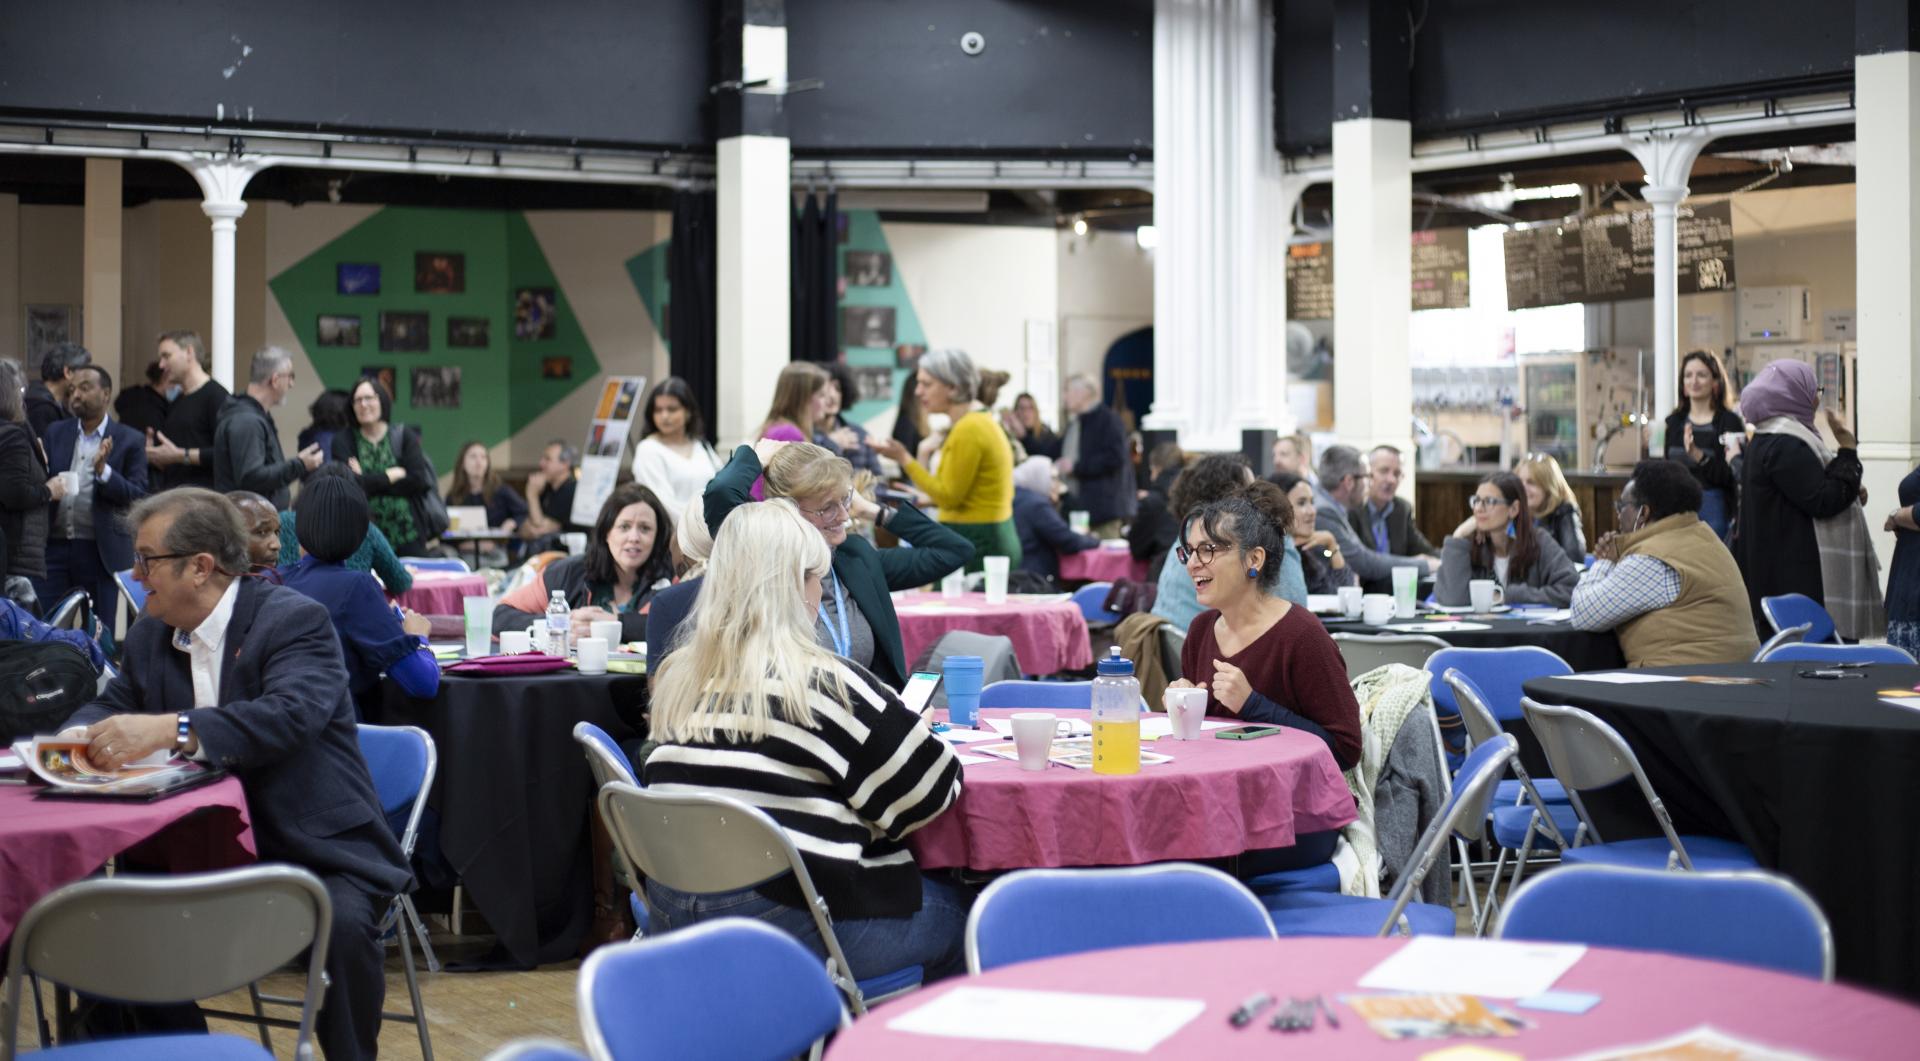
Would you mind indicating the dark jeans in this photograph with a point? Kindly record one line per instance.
(1309, 849)
(932, 938)
(74, 563)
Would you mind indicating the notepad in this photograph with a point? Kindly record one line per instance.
(1619, 677)
(1127, 1023)
(1157, 726)
(1483, 967)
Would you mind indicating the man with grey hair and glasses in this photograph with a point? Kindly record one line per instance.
(1343, 484)
(246, 445)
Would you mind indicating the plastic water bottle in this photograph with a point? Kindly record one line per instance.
(559, 624)
(1116, 716)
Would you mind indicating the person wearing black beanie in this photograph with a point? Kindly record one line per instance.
(331, 515)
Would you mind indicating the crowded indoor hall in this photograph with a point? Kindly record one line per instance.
(764, 529)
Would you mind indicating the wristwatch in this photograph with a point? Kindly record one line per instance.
(182, 732)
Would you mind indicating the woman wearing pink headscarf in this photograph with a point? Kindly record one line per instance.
(1801, 527)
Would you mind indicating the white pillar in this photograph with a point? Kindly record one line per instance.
(1668, 160)
(1887, 245)
(100, 262)
(753, 286)
(222, 183)
(1221, 208)
(1372, 278)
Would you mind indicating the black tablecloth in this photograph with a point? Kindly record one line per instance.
(514, 795)
(1583, 651)
(1818, 777)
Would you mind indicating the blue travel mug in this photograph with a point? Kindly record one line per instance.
(961, 675)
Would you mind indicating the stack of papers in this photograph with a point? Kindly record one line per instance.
(1126, 1023)
(1487, 967)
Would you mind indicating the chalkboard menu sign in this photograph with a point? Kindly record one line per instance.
(1609, 258)
(1439, 259)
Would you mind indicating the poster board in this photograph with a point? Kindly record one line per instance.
(605, 445)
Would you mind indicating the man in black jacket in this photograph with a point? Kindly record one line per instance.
(1383, 519)
(246, 445)
(1091, 456)
(248, 676)
(46, 401)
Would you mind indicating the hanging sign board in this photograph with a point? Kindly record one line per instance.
(1439, 274)
(1609, 258)
(606, 445)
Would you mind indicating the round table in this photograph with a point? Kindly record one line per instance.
(47, 843)
(1643, 997)
(1049, 635)
(1227, 796)
(514, 796)
(1817, 777)
(1104, 564)
(441, 592)
(1582, 650)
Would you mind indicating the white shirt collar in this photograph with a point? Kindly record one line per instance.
(212, 630)
(99, 431)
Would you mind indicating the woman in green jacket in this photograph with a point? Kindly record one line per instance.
(856, 618)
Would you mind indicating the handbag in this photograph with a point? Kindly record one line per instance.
(429, 508)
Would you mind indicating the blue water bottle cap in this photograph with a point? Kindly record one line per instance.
(1116, 664)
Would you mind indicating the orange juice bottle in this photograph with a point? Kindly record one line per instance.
(1116, 716)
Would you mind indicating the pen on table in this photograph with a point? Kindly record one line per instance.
(1250, 1009)
(1332, 1021)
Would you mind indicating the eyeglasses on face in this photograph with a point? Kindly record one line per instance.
(141, 561)
(1479, 502)
(838, 510)
(1206, 551)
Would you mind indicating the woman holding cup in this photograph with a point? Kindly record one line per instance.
(626, 563)
(1500, 543)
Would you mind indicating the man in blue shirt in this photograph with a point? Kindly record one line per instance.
(1383, 519)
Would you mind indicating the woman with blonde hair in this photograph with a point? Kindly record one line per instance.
(1550, 500)
(974, 484)
(856, 614)
(751, 705)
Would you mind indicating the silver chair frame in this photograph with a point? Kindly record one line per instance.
(1766, 655)
(1378, 650)
(1469, 809)
(606, 769)
(1586, 753)
(228, 929)
(1173, 643)
(703, 844)
(72, 611)
(1161, 869)
(1790, 635)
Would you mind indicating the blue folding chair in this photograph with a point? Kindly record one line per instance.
(679, 995)
(1307, 913)
(536, 1050)
(1812, 652)
(1091, 599)
(1038, 694)
(1748, 916)
(1498, 673)
(1042, 913)
(436, 563)
(1788, 636)
(608, 762)
(1796, 609)
(1586, 754)
(131, 589)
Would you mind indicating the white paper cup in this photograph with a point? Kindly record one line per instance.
(592, 658)
(607, 630)
(478, 613)
(1484, 593)
(1033, 738)
(1376, 609)
(576, 542)
(1350, 601)
(996, 568)
(514, 642)
(954, 585)
(1185, 709)
(1080, 521)
(71, 480)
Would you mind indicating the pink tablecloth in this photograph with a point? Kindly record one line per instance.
(1644, 997)
(46, 843)
(1216, 798)
(1101, 565)
(1047, 637)
(440, 592)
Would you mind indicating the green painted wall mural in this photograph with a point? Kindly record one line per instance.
(478, 333)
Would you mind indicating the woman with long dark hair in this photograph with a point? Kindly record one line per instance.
(673, 458)
(628, 559)
(475, 483)
(1697, 433)
(1500, 542)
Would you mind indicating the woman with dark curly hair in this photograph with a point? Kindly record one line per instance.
(1216, 477)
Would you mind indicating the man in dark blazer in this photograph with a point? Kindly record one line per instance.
(1383, 519)
(87, 539)
(249, 677)
(1091, 456)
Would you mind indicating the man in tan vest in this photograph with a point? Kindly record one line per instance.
(1663, 581)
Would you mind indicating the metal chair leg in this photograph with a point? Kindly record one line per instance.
(1466, 877)
(413, 993)
(420, 931)
(253, 992)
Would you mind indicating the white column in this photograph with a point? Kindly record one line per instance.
(1372, 281)
(222, 182)
(1668, 160)
(1887, 245)
(1221, 208)
(753, 286)
(100, 262)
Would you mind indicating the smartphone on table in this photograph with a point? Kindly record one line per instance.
(1247, 732)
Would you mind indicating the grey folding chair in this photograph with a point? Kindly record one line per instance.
(705, 844)
(1364, 652)
(1789, 636)
(173, 939)
(607, 763)
(1173, 642)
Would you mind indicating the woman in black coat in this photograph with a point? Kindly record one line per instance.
(1695, 431)
(392, 467)
(25, 491)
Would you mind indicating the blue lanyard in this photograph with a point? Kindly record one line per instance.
(842, 639)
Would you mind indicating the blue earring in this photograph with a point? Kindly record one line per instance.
(1253, 572)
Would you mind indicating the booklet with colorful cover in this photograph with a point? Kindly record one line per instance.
(62, 762)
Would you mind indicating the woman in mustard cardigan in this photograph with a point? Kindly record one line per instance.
(974, 485)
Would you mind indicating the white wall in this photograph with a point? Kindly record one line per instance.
(1106, 291)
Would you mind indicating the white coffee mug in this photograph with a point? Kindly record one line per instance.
(592, 655)
(1350, 601)
(1376, 609)
(1033, 738)
(607, 630)
(514, 642)
(1186, 708)
(1484, 593)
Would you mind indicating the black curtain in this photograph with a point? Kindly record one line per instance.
(815, 308)
(690, 296)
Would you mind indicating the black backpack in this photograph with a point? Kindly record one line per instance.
(41, 684)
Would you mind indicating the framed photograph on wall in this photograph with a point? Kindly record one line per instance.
(334, 329)
(384, 373)
(435, 386)
(907, 356)
(534, 313)
(439, 273)
(875, 382)
(468, 331)
(869, 269)
(48, 325)
(556, 368)
(866, 326)
(403, 331)
(357, 278)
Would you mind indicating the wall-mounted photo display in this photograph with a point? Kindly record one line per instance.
(357, 278)
(467, 331)
(556, 368)
(436, 387)
(907, 356)
(439, 273)
(866, 326)
(403, 331)
(384, 373)
(334, 329)
(48, 325)
(534, 312)
(875, 382)
(869, 268)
